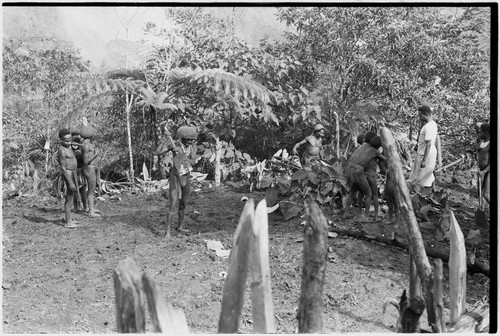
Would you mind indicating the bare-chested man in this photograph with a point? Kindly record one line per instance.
(483, 157)
(314, 145)
(180, 186)
(68, 164)
(91, 158)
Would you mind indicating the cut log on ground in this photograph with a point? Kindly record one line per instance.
(474, 321)
(310, 311)
(477, 267)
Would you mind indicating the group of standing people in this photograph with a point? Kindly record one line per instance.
(361, 170)
(79, 162)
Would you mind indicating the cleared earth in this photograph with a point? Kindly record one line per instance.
(58, 280)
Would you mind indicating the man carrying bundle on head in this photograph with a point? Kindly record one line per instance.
(179, 183)
(91, 159)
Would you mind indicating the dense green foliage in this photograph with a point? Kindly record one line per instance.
(362, 67)
(396, 58)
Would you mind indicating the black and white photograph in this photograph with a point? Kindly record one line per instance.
(249, 168)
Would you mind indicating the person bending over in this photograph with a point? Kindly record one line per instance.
(356, 177)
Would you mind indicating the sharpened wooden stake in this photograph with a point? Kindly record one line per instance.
(260, 273)
(165, 318)
(234, 288)
(437, 289)
(458, 270)
(130, 316)
(310, 311)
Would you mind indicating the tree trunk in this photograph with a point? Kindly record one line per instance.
(415, 286)
(310, 310)
(217, 164)
(128, 107)
(337, 130)
(47, 155)
(416, 243)
(477, 267)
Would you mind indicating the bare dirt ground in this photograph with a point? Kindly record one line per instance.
(58, 280)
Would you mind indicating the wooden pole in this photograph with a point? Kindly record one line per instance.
(129, 298)
(337, 136)
(416, 243)
(437, 289)
(310, 310)
(458, 270)
(260, 273)
(234, 288)
(165, 318)
(415, 285)
(410, 311)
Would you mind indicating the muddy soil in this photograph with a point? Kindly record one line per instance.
(58, 280)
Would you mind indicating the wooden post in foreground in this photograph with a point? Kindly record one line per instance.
(458, 270)
(416, 243)
(437, 290)
(165, 318)
(260, 273)
(310, 311)
(410, 311)
(129, 298)
(234, 288)
(415, 286)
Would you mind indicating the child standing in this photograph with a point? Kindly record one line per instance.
(91, 158)
(68, 164)
(80, 202)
